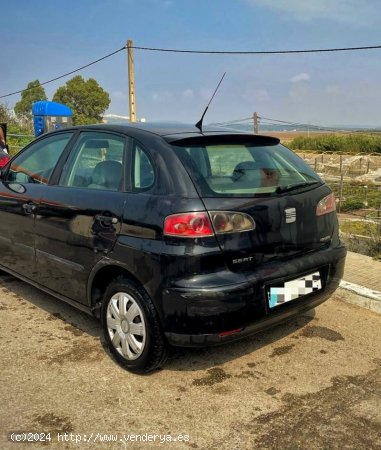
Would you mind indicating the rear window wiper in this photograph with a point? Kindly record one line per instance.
(291, 187)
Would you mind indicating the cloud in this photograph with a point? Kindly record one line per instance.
(300, 77)
(346, 11)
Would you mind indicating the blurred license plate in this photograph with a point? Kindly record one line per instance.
(294, 289)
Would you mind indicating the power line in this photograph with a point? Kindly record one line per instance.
(271, 52)
(299, 124)
(268, 121)
(280, 121)
(205, 52)
(232, 121)
(261, 118)
(66, 74)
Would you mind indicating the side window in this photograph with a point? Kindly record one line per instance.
(36, 164)
(96, 162)
(144, 174)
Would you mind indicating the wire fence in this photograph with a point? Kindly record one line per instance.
(354, 178)
(356, 182)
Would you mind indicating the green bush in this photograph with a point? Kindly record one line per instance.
(350, 143)
(350, 205)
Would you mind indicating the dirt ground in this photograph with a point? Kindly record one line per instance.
(314, 383)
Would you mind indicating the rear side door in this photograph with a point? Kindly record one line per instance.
(25, 182)
(79, 218)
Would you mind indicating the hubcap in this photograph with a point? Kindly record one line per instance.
(125, 325)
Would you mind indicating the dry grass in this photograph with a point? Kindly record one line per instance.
(287, 136)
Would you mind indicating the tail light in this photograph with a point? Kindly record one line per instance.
(199, 224)
(188, 225)
(326, 205)
(231, 222)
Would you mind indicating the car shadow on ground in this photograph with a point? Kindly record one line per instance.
(194, 359)
(179, 359)
(56, 308)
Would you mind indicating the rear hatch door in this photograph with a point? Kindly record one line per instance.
(257, 176)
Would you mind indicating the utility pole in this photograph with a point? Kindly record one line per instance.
(131, 80)
(256, 124)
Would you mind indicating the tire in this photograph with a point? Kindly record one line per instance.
(131, 327)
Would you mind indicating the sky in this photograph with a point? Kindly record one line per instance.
(43, 40)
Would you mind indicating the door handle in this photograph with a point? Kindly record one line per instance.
(29, 208)
(106, 220)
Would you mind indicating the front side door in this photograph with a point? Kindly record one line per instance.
(79, 218)
(24, 183)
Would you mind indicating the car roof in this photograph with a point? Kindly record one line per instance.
(172, 131)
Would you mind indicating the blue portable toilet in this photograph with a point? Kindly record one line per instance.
(48, 116)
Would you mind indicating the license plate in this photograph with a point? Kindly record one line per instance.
(294, 289)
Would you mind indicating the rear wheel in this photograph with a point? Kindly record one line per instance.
(131, 327)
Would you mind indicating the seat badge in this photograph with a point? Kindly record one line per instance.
(290, 214)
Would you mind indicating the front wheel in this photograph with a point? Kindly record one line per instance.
(131, 327)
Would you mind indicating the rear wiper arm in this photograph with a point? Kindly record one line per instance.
(291, 187)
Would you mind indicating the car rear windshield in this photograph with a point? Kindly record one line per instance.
(243, 169)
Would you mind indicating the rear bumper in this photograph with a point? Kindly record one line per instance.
(205, 315)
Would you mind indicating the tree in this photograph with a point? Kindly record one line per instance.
(33, 93)
(87, 99)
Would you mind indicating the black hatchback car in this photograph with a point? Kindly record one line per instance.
(168, 234)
